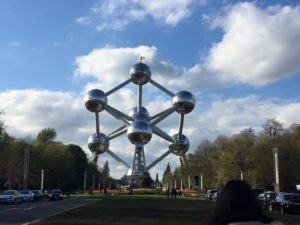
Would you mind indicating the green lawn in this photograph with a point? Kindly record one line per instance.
(146, 210)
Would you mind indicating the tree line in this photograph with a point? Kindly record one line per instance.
(246, 155)
(64, 166)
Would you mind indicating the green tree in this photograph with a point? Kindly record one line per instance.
(105, 170)
(46, 136)
(80, 164)
(145, 180)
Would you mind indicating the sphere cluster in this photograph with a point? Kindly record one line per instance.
(140, 73)
(98, 144)
(95, 100)
(184, 102)
(180, 144)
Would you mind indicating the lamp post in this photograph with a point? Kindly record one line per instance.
(26, 166)
(276, 169)
(42, 180)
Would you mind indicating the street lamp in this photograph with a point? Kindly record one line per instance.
(26, 165)
(276, 169)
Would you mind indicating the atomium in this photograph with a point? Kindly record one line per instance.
(140, 73)
(138, 124)
(180, 144)
(98, 143)
(95, 100)
(184, 102)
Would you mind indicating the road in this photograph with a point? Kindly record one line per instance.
(30, 211)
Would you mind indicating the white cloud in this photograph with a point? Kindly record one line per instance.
(117, 14)
(259, 46)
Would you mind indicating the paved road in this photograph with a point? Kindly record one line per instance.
(30, 211)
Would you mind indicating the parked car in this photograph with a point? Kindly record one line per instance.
(285, 203)
(26, 195)
(265, 198)
(210, 193)
(10, 196)
(55, 194)
(257, 191)
(37, 195)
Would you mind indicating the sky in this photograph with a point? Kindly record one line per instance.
(239, 59)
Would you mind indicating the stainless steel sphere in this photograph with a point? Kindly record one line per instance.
(140, 73)
(98, 144)
(184, 102)
(133, 112)
(95, 100)
(180, 145)
(139, 132)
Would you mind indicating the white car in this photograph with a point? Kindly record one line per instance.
(27, 195)
(10, 196)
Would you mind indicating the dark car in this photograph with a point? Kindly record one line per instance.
(265, 199)
(285, 203)
(210, 194)
(37, 195)
(55, 194)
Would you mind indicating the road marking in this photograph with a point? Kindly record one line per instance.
(6, 210)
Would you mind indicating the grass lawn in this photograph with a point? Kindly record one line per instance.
(146, 210)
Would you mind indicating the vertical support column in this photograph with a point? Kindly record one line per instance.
(26, 166)
(42, 181)
(97, 123)
(189, 181)
(181, 124)
(99, 184)
(181, 185)
(140, 100)
(139, 163)
(277, 187)
(201, 182)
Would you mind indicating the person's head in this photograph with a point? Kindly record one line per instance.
(236, 202)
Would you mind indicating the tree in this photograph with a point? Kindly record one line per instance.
(79, 162)
(105, 170)
(272, 128)
(46, 136)
(145, 180)
(167, 175)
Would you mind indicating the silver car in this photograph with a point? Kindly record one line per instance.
(10, 196)
(27, 195)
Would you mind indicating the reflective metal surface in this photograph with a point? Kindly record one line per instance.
(184, 102)
(98, 144)
(180, 144)
(133, 111)
(95, 100)
(140, 73)
(139, 132)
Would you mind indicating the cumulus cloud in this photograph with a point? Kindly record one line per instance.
(259, 46)
(117, 14)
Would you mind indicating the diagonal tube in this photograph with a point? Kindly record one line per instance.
(181, 124)
(162, 115)
(117, 158)
(158, 159)
(117, 114)
(118, 87)
(161, 88)
(162, 134)
(117, 133)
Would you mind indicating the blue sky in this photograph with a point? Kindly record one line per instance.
(240, 59)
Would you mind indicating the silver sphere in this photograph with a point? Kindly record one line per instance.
(180, 144)
(143, 111)
(184, 102)
(95, 100)
(140, 73)
(98, 144)
(139, 132)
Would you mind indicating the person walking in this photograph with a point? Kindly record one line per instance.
(237, 205)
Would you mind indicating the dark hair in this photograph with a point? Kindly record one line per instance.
(237, 203)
